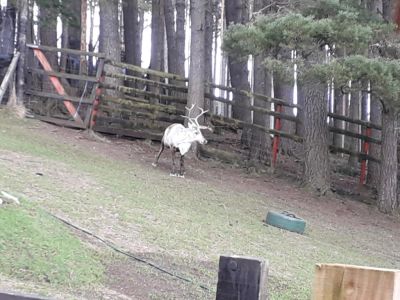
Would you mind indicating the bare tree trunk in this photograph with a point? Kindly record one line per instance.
(197, 54)
(237, 13)
(180, 37)
(130, 12)
(387, 190)
(48, 31)
(171, 36)
(353, 143)
(338, 139)
(157, 35)
(316, 165)
(83, 67)
(260, 143)
(23, 11)
(375, 150)
(109, 37)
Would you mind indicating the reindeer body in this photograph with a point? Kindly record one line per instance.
(179, 139)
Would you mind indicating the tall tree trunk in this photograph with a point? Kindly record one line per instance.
(354, 144)
(316, 164)
(387, 191)
(338, 139)
(260, 142)
(197, 54)
(157, 35)
(373, 175)
(23, 11)
(180, 36)
(130, 12)
(83, 67)
(157, 41)
(171, 36)
(138, 38)
(375, 150)
(74, 24)
(48, 30)
(237, 13)
(109, 36)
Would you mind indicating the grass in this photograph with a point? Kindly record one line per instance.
(35, 247)
(183, 225)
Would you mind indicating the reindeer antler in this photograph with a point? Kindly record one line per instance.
(202, 112)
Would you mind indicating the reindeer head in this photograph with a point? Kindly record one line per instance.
(194, 126)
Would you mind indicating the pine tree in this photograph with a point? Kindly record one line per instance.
(307, 30)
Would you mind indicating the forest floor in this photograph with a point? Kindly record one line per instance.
(181, 226)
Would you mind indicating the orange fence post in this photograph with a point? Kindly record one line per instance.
(277, 126)
(363, 173)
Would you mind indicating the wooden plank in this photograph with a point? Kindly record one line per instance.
(349, 152)
(241, 278)
(65, 50)
(235, 124)
(9, 75)
(154, 107)
(139, 134)
(354, 135)
(183, 89)
(264, 110)
(63, 75)
(13, 296)
(126, 89)
(147, 71)
(359, 122)
(60, 122)
(57, 84)
(256, 95)
(59, 97)
(343, 282)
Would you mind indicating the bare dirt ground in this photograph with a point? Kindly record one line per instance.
(127, 280)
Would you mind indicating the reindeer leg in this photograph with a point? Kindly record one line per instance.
(173, 172)
(182, 167)
(155, 163)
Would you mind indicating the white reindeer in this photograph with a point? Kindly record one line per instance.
(180, 138)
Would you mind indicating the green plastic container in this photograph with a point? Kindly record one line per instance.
(286, 220)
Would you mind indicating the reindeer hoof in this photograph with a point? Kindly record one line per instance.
(172, 174)
(181, 175)
(154, 165)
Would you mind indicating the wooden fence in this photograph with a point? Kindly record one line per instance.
(127, 100)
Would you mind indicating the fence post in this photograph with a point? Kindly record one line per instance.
(97, 93)
(277, 126)
(365, 150)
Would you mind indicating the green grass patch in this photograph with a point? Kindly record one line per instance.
(36, 247)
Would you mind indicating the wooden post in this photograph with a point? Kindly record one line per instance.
(277, 126)
(345, 282)
(242, 278)
(9, 75)
(363, 173)
(96, 93)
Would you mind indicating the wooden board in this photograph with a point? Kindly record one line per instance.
(11, 296)
(347, 282)
(241, 278)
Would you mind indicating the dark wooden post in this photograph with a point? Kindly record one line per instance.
(278, 126)
(242, 278)
(363, 173)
